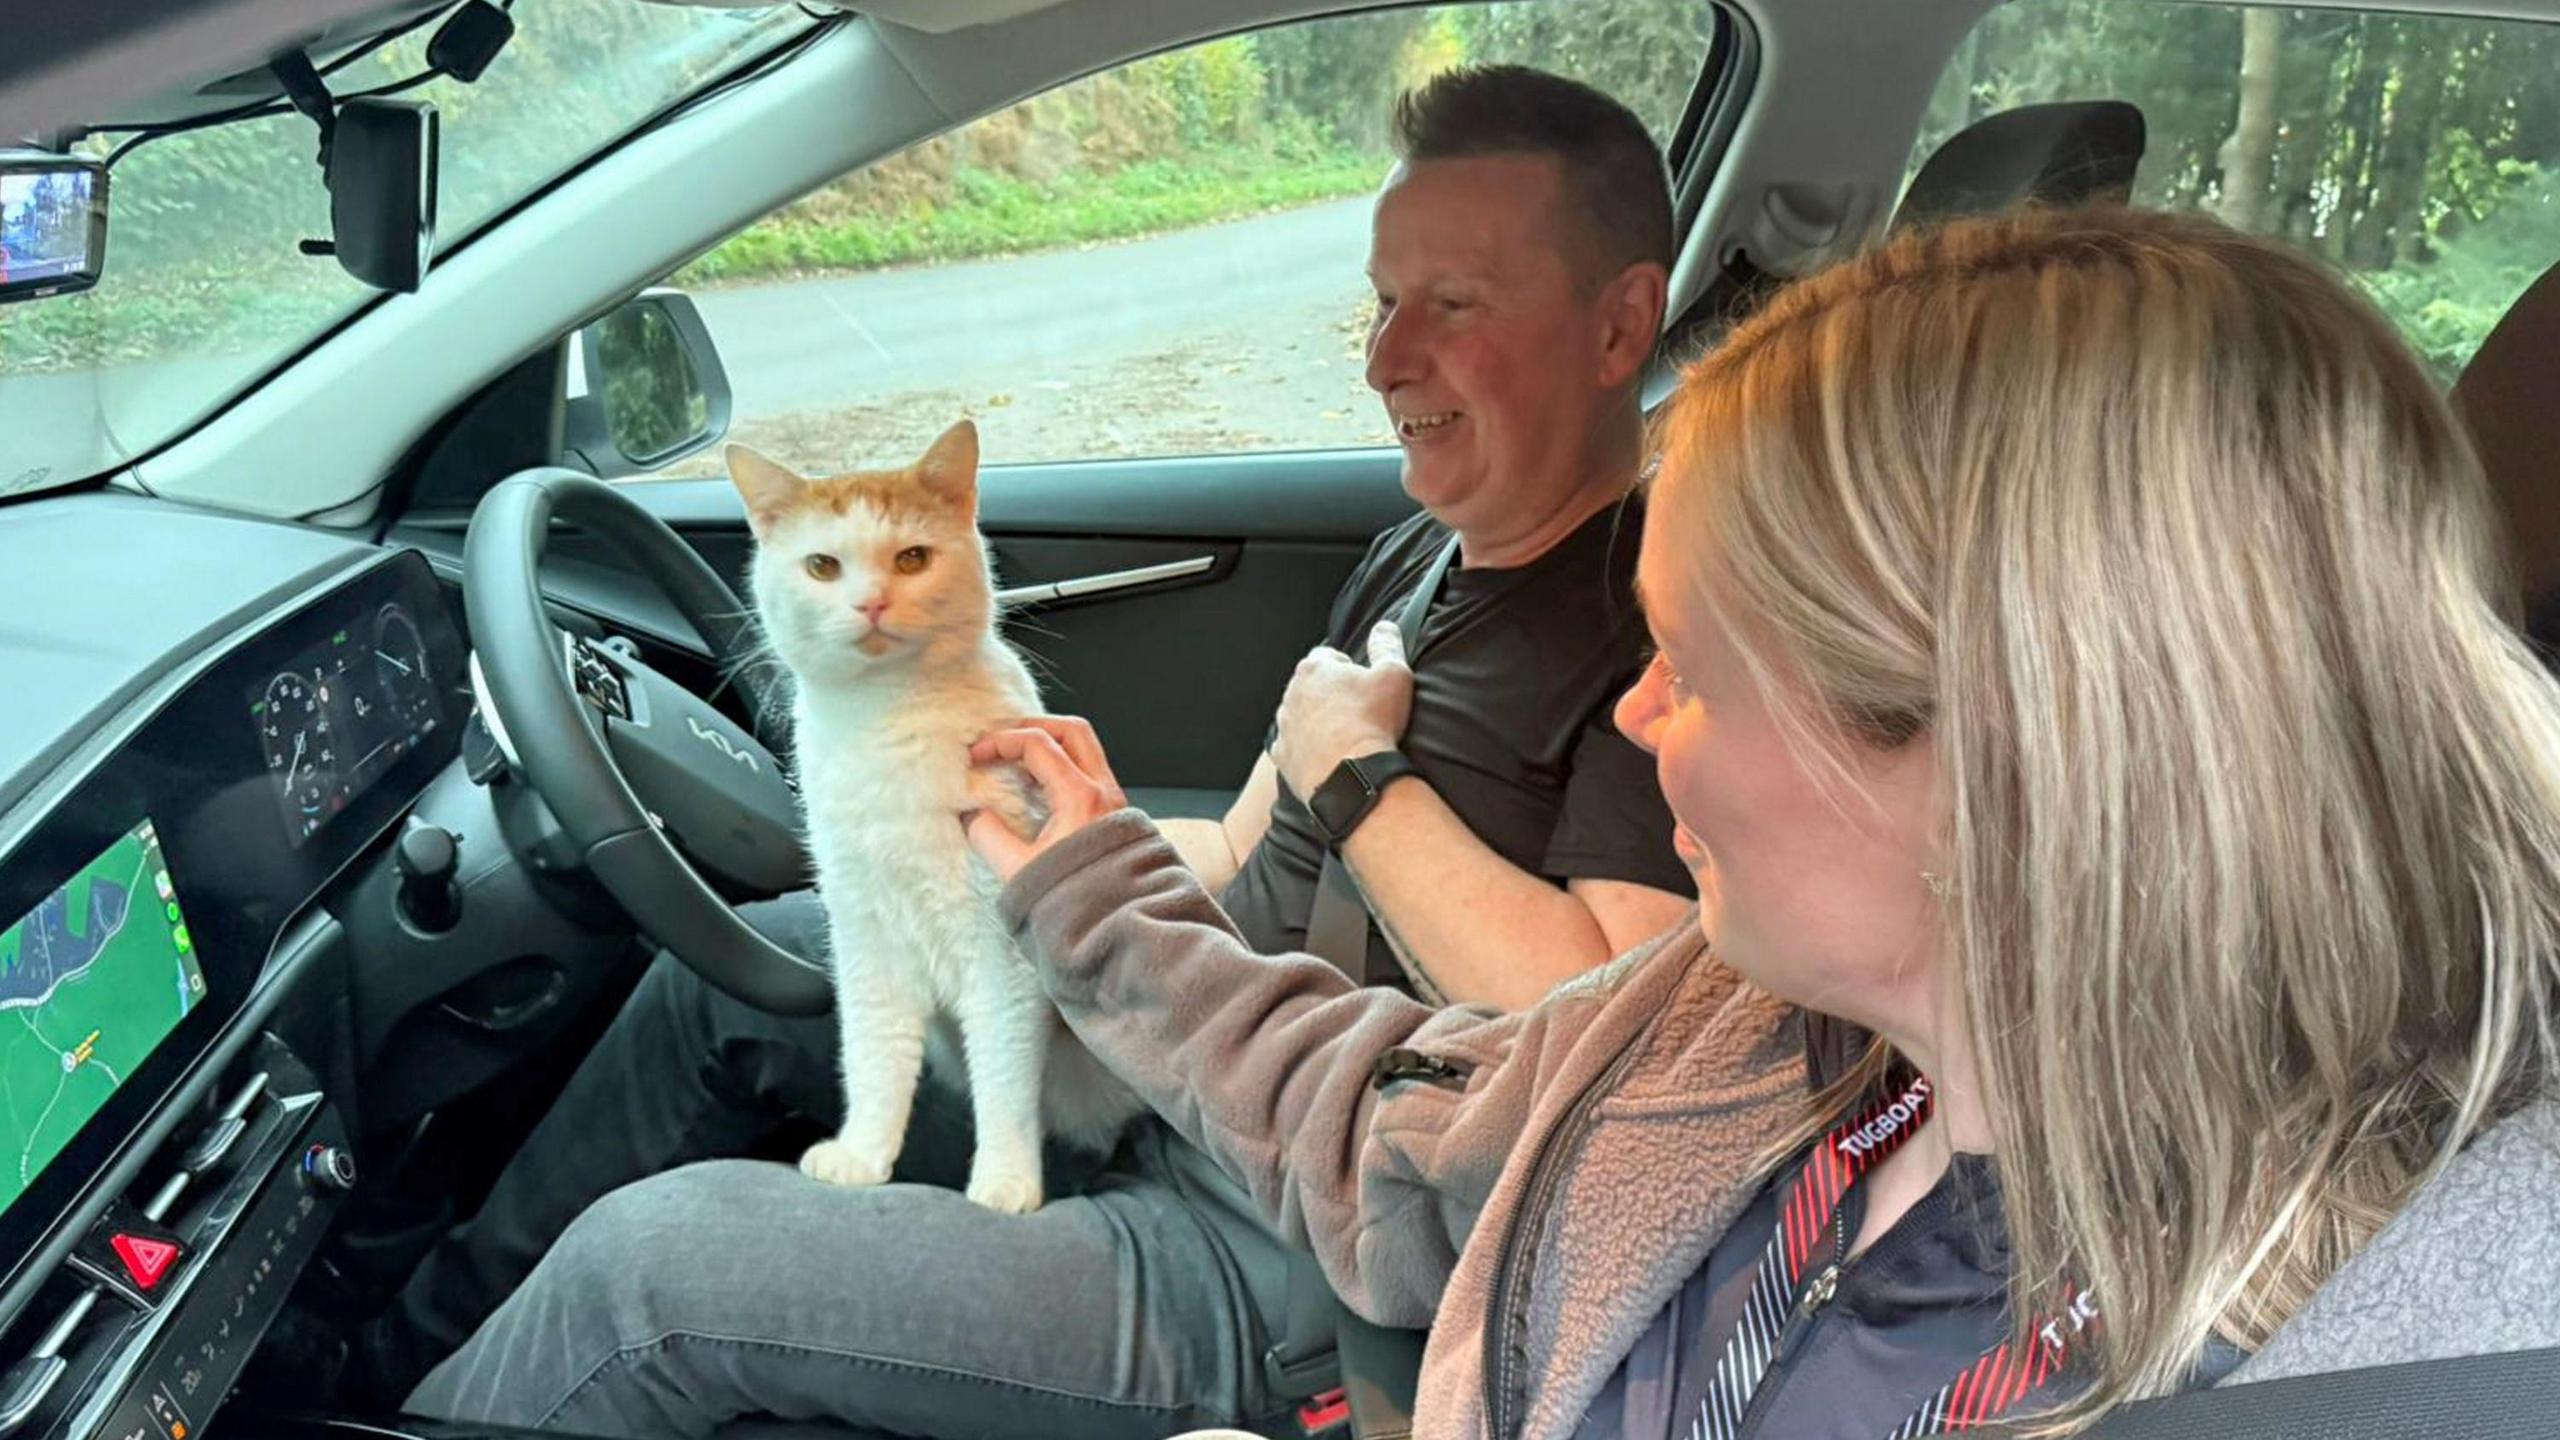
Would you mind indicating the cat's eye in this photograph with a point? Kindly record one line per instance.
(823, 567)
(913, 559)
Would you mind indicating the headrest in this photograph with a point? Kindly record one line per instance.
(2509, 397)
(2068, 153)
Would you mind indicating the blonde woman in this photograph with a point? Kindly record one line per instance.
(2083, 670)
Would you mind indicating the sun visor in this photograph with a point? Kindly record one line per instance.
(70, 65)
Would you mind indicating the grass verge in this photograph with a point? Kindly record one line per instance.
(999, 215)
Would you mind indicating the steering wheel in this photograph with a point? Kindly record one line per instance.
(678, 812)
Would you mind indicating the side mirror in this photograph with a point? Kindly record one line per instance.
(646, 387)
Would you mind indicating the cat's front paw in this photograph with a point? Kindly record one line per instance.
(837, 1163)
(1005, 1193)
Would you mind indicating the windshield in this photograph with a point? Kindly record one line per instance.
(205, 288)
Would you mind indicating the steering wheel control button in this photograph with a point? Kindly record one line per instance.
(427, 855)
(130, 1257)
(598, 681)
(329, 1167)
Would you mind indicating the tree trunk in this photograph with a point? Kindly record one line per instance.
(2351, 169)
(2393, 222)
(2248, 156)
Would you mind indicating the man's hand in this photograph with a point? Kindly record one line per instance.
(1065, 760)
(1337, 709)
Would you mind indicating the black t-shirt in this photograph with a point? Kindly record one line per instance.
(1514, 680)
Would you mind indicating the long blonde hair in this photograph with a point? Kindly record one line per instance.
(2167, 545)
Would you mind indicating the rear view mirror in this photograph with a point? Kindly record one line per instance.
(53, 224)
(646, 387)
(382, 191)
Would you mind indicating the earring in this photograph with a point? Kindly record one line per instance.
(1936, 882)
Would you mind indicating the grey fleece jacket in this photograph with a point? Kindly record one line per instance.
(1538, 1194)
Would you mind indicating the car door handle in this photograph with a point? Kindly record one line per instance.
(1105, 583)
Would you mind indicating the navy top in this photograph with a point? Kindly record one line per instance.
(1923, 1302)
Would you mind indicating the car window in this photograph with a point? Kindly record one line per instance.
(2419, 153)
(206, 289)
(1163, 259)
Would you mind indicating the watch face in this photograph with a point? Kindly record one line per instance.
(1337, 802)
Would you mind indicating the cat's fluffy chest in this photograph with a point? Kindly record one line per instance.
(884, 766)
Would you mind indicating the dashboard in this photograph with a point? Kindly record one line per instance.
(249, 787)
(221, 746)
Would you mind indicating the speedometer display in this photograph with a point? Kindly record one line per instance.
(332, 722)
(294, 730)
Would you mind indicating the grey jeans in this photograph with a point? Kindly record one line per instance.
(729, 1288)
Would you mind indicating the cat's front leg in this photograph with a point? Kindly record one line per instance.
(1007, 1026)
(880, 1019)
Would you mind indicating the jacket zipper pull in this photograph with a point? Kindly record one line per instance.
(1818, 1293)
(1405, 1064)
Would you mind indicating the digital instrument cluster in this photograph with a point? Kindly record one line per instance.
(332, 722)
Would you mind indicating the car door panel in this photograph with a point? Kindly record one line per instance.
(1180, 673)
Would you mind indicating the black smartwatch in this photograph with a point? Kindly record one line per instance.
(1351, 792)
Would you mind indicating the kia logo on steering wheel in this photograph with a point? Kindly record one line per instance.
(721, 743)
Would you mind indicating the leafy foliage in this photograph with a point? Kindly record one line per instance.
(2419, 154)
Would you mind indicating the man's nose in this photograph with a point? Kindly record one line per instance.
(1392, 357)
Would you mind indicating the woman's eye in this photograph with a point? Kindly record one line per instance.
(1671, 676)
(823, 567)
(913, 559)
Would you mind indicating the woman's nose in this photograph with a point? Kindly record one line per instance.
(1640, 709)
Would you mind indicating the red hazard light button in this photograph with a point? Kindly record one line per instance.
(145, 1259)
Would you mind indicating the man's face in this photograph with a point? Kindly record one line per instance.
(1485, 350)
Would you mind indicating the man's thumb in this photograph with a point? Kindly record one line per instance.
(1005, 852)
(1386, 645)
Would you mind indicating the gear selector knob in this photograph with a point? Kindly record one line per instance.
(426, 856)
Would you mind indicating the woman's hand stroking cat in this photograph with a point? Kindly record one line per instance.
(1064, 758)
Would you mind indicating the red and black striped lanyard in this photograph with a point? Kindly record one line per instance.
(1809, 1215)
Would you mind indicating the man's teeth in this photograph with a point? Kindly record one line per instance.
(1414, 425)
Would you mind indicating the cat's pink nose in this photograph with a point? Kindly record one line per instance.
(873, 608)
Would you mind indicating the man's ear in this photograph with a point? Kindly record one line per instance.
(768, 486)
(1630, 308)
(949, 468)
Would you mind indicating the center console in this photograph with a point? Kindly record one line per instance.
(182, 1285)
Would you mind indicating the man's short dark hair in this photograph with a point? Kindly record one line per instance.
(1614, 182)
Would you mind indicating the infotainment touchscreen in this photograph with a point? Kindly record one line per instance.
(91, 980)
(347, 707)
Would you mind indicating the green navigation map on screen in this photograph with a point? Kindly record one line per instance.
(90, 980)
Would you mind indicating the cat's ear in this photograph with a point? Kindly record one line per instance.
(768, 486)
(949, 468)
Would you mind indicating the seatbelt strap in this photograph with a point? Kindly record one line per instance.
(2508, 1396)
(1302, 1363)
(1338, 925)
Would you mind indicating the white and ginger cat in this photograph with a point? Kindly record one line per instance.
(875, 592)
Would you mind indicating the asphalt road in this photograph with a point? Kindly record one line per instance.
(1237, 335)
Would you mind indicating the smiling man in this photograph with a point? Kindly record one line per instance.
(1463, 819)
(1520, 253)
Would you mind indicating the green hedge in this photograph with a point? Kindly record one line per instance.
(998, 215)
